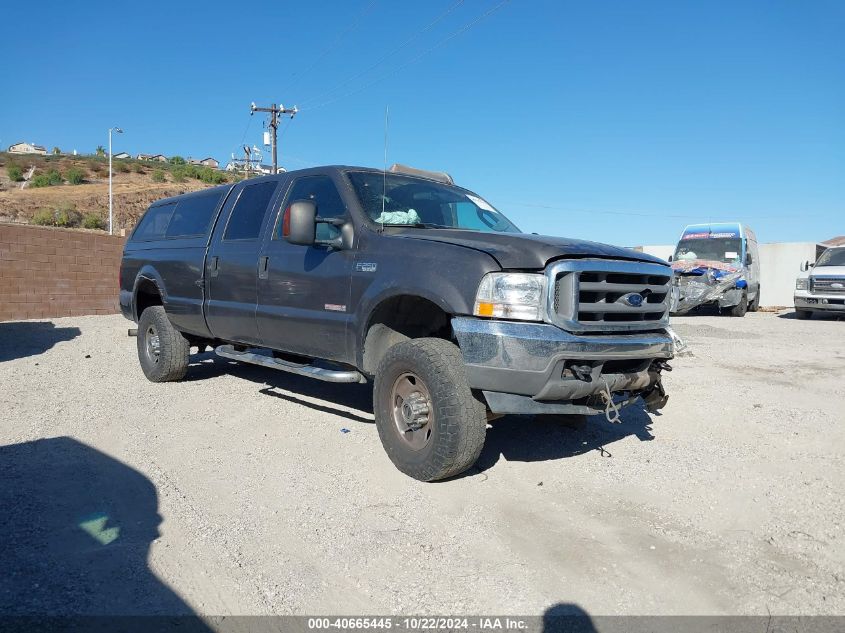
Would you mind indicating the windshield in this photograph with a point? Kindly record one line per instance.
(409, 201)
(725, 250)
(832, 257)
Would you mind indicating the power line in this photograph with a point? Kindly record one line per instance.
(414, 59)
(335, 43)
(390, 53)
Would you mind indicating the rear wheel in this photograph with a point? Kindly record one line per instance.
(741, 308)
(430, 423)
(162, 350)
(804, 314)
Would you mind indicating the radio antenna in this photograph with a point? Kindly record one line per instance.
(384, 170)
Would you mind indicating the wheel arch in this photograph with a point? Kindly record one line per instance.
(399, 317)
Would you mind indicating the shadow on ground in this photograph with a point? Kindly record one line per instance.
(817, 316)
(566, 617)
(517, 438)
(19, 339)
(543, 438)
(285, 386)
(75, 532)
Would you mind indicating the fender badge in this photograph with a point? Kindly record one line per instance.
(334, 307)
(366, 267)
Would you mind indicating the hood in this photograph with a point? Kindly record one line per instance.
(825, 271)
(523, 250)
(700, 266)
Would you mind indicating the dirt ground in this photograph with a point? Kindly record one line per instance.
(244, 491)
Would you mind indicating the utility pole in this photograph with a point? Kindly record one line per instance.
(247, 159)
(275, 111)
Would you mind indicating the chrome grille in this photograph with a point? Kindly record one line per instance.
(827, 285)
(590, 295)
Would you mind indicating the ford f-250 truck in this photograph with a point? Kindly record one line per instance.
(398, 277)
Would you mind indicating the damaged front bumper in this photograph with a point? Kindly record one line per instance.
(540, 368)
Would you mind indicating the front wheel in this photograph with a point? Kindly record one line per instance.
(741, 308)
(430, 423)
(804, 314)
(162, 350)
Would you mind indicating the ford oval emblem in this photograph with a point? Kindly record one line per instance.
(633, 299)
(837, 285)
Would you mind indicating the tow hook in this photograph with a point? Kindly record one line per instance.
(656, 398)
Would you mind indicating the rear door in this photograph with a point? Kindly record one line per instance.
(303, 291)
(232, 263)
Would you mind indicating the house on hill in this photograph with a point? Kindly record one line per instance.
(157, 157)
(27, 148)
(205, 162)
(122, 155)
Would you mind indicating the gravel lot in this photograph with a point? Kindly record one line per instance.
(239, 491)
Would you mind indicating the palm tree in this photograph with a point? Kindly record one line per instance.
(56, 151)
(100, 150)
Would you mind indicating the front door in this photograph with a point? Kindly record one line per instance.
(303, 291)
(231, 266)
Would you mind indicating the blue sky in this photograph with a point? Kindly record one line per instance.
(614, 121)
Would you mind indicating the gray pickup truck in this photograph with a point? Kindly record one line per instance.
(398, 277)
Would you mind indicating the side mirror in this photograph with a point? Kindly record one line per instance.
(748, 259)
(804, 266)
(670, 259)
(300, 223)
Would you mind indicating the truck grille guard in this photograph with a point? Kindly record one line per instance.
(593, 295)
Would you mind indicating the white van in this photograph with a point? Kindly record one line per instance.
(717, 264)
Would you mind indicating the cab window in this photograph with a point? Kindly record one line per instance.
(248, 215)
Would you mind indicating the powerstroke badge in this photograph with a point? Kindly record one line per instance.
(335, 307)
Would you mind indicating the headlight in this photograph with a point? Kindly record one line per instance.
(801, 283)
(511, 296)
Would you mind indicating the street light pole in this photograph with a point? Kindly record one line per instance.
(111, 212)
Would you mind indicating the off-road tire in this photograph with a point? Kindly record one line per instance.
(804, 315)
(753, 306)
(741, 308)
(457, 418)
(171, 363)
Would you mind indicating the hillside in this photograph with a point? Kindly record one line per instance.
(135, 184)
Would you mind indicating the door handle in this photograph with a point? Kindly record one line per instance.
(214, 266)
(263, 267)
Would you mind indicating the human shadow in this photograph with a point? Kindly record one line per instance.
(543, 438)
(567, 617)
(19, 339)
(75, 532)
(290, 387)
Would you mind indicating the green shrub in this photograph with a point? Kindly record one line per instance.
(158, 176)
(44, 217)
(177, 160)
(15, 172)
(93, 221)
(121, 166)
(68, 217)
(212, 176)
(52, 177)
(178, 174)
(138, 168)
(191, 171)
(75, 176)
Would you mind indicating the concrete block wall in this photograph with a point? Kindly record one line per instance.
(48, 272)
